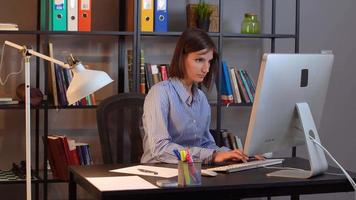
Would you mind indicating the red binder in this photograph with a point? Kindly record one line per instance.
(84, 15)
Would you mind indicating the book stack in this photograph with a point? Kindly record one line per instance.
(63, 152)
(231, 141)
(59, 80)
(236, 85)
(8, 27)
(8, 101)
(130, 73)
(155, 73)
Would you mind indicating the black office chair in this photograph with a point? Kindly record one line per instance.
(119, 121)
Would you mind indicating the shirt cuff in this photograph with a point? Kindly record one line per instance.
(223, 148)
(207, 156)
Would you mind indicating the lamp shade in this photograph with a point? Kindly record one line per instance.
(85, 82)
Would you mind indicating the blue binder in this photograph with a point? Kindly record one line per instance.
(161, 16)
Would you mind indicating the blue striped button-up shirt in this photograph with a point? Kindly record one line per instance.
(173, 119)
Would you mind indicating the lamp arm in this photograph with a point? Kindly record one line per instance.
(35, 53)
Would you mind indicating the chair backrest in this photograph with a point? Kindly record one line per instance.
(119, 119)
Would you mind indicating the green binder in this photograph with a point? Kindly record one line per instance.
(59, 15)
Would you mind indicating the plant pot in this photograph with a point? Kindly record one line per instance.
(203, 24)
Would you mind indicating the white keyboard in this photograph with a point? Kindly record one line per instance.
(245, 166)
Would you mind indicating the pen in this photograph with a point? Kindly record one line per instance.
(176, 152)
(148, 171)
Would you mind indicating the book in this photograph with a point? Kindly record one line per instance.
(142, 73)
(217, 136)
(164, 73)
(9, 102)
(149, 78)
(57, 157)
(247, 87)
(226, 91)
(239, 143)
(225, 139)
(142, 79)
(242, 87)
(4, 99)
(250, 82)
(155, 74)
(232, 140)
(130, 76)
(8, 27)
(234, 86)
(244, 81)
(74, 158)
(84, 153)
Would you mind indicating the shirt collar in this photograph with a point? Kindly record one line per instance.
(183, 93)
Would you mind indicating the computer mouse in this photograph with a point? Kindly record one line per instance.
(205, 172)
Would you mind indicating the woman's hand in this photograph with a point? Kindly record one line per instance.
(233, 155)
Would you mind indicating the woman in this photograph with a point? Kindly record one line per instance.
(177, 113)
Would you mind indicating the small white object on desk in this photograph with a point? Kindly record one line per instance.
(205, 172)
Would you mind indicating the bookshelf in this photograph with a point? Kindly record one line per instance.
(121, 36)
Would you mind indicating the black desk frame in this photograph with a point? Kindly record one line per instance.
(250, 183)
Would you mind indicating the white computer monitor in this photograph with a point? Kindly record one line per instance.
(289, 100)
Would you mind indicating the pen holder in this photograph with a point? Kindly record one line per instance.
(189, 173)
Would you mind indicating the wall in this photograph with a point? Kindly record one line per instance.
(327, 24)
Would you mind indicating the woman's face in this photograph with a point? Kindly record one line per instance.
(197, 65)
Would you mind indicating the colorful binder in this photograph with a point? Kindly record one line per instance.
(72, 15)
(59, 15)
(161, 16)
(43, 14)
(147, 15)
(84, 15)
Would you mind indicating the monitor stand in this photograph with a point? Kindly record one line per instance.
(317, 160)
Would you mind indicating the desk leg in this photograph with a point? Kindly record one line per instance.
(72, 188)
(294, 197)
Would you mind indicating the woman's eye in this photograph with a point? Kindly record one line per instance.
(199, 60)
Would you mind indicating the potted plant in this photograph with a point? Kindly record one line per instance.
(203, 12)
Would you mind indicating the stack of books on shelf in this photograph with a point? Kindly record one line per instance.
(8, 101)
(150, 74)
(8, 27)
(227, 139)
(63, 152)
(155, 73)
(236, 85)
(59, 80)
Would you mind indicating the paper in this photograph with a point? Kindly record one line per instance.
(163, 172)
(114, 183)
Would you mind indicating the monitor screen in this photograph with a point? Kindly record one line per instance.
(285, 80)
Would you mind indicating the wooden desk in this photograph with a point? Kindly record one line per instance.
(250, 183)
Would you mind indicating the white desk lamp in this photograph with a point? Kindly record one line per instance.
(84, 83)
